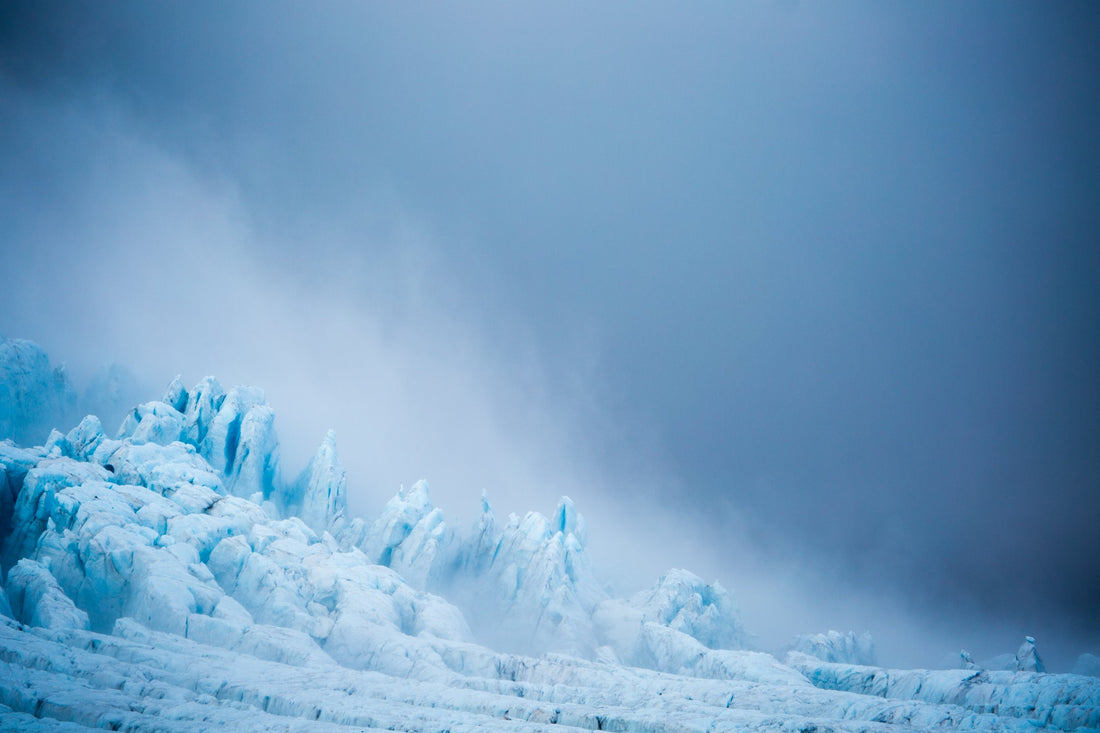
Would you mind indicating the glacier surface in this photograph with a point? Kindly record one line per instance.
(169, 578)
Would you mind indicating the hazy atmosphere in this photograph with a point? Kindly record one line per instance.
(800, 296)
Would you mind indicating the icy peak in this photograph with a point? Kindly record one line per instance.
(153, 422)
(318, 496)
(85, 437)
(141, 538)
(418, 496)
(569, 522)
(1027, 657)
(681, 600)
(241, 441)
(203, 403)
(410, 536)
(176, 395)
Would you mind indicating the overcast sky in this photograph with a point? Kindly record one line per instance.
(806, 293)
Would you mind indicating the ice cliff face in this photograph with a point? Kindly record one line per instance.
(169, 578)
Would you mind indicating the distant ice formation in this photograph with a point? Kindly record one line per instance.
(34, 396)
(1087, 664)
(834, 646)
(1027, 658)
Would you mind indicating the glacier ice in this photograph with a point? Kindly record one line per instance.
(14, 465)
(153, 422)
(34, 504)
(176, 395)
(36, 599)
(318, 495)
(240, 441)
(528, 585)
(408, 535)
(1027, 657)
(34, 396)
(200, 407)
(168, 578)
(682, 601)
(1063, 701)
(834, 646)
(681, 623)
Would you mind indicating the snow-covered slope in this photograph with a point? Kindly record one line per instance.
(169, 578)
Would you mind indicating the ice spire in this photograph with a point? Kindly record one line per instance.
(1027, 657)
(318, 497)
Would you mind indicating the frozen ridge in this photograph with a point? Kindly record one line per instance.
(169, 579)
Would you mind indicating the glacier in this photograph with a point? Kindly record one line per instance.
(169, 578)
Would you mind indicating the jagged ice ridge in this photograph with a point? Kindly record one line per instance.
(168, 578)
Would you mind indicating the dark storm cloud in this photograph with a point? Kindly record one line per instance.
(822, 276)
